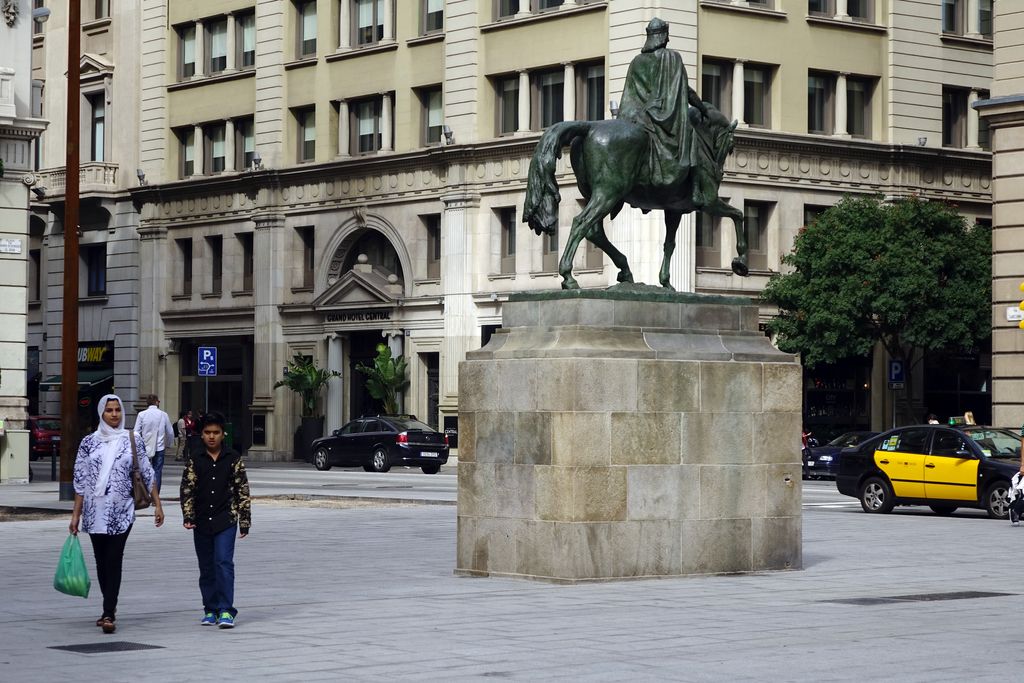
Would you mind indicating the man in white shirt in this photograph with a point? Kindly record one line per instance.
(154, 426)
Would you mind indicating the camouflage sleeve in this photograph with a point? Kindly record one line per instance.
(241, 502)
(188, 491)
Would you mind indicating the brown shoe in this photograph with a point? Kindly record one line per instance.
(108, 625)
(99, 622)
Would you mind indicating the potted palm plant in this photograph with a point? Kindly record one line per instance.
(308, 381)
(386, 378)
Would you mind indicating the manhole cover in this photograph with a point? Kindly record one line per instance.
(921, 597)
(111, 646)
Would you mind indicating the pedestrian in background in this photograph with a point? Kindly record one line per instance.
(104, 507)
(215, 505)
(932, 419)
(179, 436)
(154, 426)
(969, 418)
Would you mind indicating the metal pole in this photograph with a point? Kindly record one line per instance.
(69, 332)
(206, 402)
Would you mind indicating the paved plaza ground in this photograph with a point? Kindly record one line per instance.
(368, 594)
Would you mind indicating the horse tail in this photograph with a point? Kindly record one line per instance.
(540, 209)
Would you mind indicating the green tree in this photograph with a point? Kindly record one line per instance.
(307, 380)
(910, 274)
(386, 378)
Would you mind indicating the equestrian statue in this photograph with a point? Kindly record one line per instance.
(664, 150)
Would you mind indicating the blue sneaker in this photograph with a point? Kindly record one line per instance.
(209, 619)
(226, 620)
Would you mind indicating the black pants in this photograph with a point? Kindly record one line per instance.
(109, 551)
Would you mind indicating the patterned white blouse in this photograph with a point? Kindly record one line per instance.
(115, 512)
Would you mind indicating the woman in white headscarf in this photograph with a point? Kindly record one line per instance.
(104, 506)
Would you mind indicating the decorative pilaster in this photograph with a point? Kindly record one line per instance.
(154, 290)
(386, 144)
(839, 111)
(842, 10)
(737, 93)
(198, 151)
(335, 385)
(200, 50)
(229, 145)
(524, 102)
(461, 330)
(973, 120)
(388, 20)
(973, 27)
(569, 92)
(232, 61)
(344, 26)
(269, 352)
(343, 117)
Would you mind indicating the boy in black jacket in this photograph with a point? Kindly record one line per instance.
(215, 503)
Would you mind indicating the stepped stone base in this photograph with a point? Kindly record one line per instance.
(606, 435)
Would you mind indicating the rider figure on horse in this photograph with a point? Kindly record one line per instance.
(656, 97)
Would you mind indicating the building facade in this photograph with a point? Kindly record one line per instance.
(18, 131)
(317, 177)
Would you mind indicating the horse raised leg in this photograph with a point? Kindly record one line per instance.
(588, 222)
(672, 219)
(720, 208)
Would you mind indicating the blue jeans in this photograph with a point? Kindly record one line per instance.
(158, 467)
(216, 554)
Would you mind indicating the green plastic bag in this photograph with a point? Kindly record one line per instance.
(72, 577)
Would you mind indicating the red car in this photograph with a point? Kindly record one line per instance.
(43, 433)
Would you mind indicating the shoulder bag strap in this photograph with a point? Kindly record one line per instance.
(135, 455)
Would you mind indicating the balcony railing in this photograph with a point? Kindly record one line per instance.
(93, 176)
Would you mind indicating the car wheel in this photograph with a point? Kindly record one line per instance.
(321, 460)
(379, 461)
(876, 496)
(943, 510)
(368, 468)
(431, 469)
(997, 500)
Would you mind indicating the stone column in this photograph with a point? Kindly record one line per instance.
(385, 122)
(737, 92)
(973, 120)
(839, 111)
(200, 50)
(973, 27)
(343, 141)
(229, 145)
(389, 22)
(154, 291)
(232, 62)
(336, 385)
(199, 151)
(345, 26)
(524, 102)
(569, 92)
(842, 10)
(461, 330)
(269, 255)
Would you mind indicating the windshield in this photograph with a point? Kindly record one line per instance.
(996, 443)
(404, 424)
(49, 425)
(850, 439)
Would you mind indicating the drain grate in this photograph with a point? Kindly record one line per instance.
(921, 597)
(111, 646)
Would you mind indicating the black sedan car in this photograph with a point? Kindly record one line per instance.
(822, 462)
(934, 465)
(376, 443)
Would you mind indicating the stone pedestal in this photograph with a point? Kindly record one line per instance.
(609, 435)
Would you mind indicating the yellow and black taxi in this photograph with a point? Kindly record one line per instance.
(942, 467)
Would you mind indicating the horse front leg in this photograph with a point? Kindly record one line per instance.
(672, 220)
(586, 222)
(600, 240)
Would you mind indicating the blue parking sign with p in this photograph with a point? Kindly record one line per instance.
(207, 361)
(896, 373)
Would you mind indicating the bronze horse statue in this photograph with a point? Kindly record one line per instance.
(610, 159)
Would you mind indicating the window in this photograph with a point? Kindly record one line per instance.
(821, 7)
(306, 29)
(35, 274)
(101, 9)
(507, 234)
(366, 125)
(756, 95)
(97, 125)
(306, 120)
(708, 241)
(215, 248)
(245, 143)
(214, 148)
(95, 257)
(549, 87)
(187, 151)
(812, 212)
(369, 23)
(245, 25)
(985, 17)
(984, 128)
(954, 117)
(508, 105)
(590, 106)
(245, 243)
(860, 9)
(755, 216)
(549, 251)
(820, 91)
(217, 46)
(858, 106)
(507, 8)
(37, 27)
(953, 16)
(307, 237)
(716, 84)
(542, 5)
(433, 15)
(432, 224)
(947, 443)
(187, 50)
(433, 115)
(185, 252)
(912, 441)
